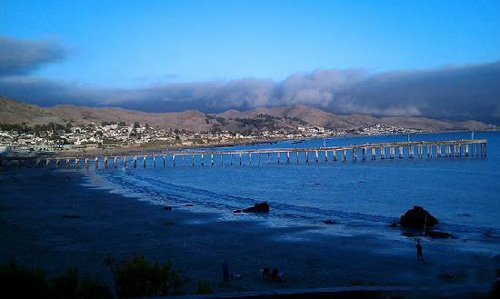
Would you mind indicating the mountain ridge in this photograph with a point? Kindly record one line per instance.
(260, 118)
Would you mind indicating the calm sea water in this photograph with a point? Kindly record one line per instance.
(362, 196)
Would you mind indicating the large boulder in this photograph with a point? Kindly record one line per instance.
(418, 217)
(262, 207)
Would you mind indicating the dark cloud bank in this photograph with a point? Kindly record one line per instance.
(454, 92)
(18, 57)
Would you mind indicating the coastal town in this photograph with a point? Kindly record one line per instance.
(54, 138)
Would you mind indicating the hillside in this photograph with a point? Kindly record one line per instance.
(12, 112)
(316, 117)
(189, 120)
(278, 118)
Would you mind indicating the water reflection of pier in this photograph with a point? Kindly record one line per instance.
(371, 151)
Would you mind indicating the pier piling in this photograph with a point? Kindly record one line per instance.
(452, 148)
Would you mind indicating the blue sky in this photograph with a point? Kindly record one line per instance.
(438, 58)
(135, 43)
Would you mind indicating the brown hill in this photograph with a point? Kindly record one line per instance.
(233, 120)
(189, 120)
(317, 117)
(12, 112)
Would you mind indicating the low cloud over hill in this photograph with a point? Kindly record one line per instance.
(453, 92)
(232, 120)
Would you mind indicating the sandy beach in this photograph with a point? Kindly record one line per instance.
(51, 222)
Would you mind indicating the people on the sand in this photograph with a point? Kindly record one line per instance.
(420, 257)
(281, 277)
(274, 275)
(225, 271)
(236, 276)
(265, 271)
(277, 276)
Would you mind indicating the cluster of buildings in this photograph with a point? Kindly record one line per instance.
(112, 135)
(83, 137)
(379, 129)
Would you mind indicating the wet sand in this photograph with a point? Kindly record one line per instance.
(100, 224)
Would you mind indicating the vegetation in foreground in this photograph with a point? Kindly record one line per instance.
(24, 282)
(134, 278)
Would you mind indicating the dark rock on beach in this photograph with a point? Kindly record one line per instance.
(418, 217)
(447, 276)
(329, 221)
(262, 207)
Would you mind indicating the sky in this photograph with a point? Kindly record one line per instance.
(417, 58)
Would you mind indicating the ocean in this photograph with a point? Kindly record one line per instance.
(358, 197)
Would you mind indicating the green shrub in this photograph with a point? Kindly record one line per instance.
(204, 288)
(65, 286)
(93, 289)
(23, 282)
(140, 278)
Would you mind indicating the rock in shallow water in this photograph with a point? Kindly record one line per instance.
(262, 207)
(418, 217)
(71, 216)
(329, 221)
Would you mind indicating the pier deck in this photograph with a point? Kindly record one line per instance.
(372, 151)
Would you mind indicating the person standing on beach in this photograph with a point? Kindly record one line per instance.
(225, 271)
(420, 257)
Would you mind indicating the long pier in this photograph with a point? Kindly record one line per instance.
(368, 151)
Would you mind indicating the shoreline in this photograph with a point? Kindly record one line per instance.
(139, 149)
(146, 149)
(37, 234)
